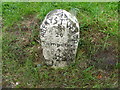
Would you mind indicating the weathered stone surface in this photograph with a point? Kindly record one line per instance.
(59, 34)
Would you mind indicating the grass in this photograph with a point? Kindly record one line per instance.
(96, 63)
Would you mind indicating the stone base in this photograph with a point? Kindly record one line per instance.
(57, 64)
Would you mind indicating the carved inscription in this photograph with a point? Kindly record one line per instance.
(59, 34)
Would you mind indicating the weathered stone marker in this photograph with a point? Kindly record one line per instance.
(59, 34)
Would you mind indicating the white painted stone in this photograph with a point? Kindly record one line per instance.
(59, 34)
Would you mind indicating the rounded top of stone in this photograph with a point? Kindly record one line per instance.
(57, 11)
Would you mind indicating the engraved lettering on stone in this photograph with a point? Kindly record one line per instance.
(59, 34)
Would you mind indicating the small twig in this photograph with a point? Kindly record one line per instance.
(38, 41)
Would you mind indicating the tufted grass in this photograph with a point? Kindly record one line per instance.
(23, 66)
